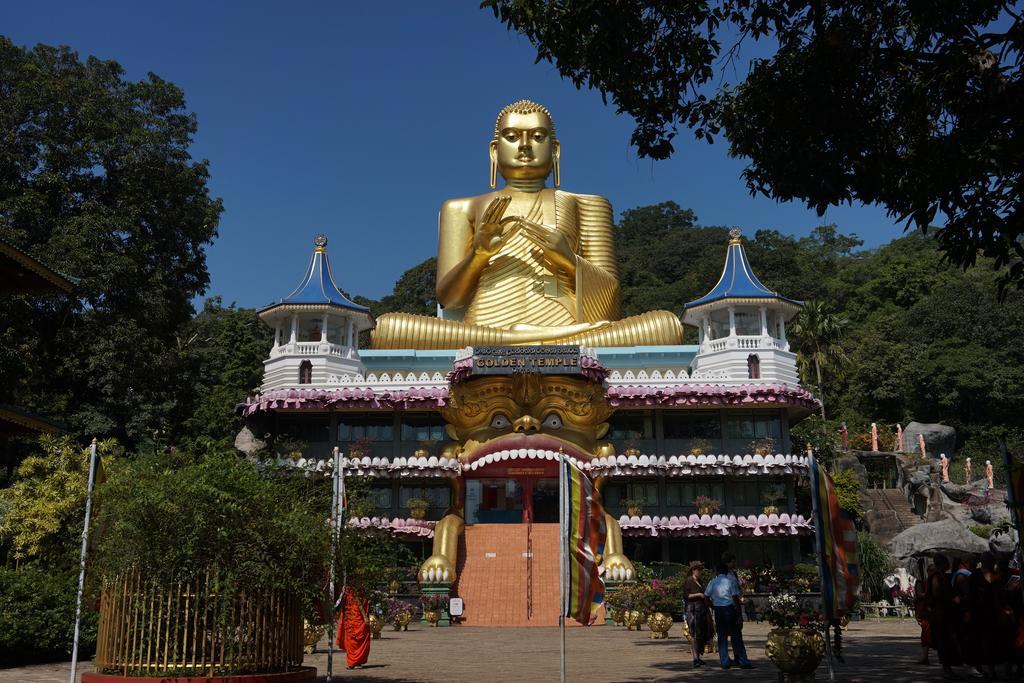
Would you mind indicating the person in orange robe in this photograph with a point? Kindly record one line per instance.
(353, 630)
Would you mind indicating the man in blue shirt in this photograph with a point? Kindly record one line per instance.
(724, 591)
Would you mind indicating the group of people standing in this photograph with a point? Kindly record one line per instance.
(715, 608)
(972, 614)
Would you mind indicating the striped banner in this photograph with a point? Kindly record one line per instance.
(584, 532)
(836, 538)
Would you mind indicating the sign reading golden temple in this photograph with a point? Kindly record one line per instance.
(510, 360)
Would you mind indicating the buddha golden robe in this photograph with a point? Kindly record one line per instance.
(520, 299)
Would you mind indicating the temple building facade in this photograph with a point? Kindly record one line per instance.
(459, 421)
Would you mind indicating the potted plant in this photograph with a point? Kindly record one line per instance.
(434, 607)
(634, 506)
(795, 644)
(426, 448)
(360, 448)
(657, 604)
(764, 446)
(378, 612)
(632, 444)
(706, 505)
(208, 537)
(418, 507)
(770, 496)
(700, 447)
(399, 614)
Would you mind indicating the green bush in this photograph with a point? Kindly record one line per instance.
(37, 616)
(983, 530)
(174, 517)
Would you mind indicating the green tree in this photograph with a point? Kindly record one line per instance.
(817, 333)
(96, 179)
(905, 104)
(41, 513)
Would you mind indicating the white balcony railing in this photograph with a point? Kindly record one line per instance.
(745, 342)
(313, 349)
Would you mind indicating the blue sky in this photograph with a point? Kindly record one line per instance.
(360, 119)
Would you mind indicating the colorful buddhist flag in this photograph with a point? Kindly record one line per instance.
(583, 534)
(836, 538)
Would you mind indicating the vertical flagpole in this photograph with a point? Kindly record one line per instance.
(562, 503)
(337, 501)
(81, 561)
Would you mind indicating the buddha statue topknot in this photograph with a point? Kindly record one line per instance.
(526, 264)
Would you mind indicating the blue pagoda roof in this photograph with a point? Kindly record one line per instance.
(318, 286)
(738, 280)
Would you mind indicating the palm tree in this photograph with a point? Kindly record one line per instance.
(817, 334)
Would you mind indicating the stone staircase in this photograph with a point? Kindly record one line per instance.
(889, 513)
(494, 572)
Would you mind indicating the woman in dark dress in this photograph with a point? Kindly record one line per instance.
(698, 615)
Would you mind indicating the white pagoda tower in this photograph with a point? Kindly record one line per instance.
(742, 325)
(316, 330)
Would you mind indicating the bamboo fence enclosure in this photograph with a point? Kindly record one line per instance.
(146, 629)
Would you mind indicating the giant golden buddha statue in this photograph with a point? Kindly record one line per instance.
(527, 264)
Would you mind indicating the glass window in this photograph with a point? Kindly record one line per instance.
(692, 425)
(370, 427)
(623, 426)
(744, 493)
(740, 426)
(422, 427)
(714, 490)
(439, 496)
(309, 330)
(646, 492)
(380, 496)
(679, 494)
(614, 494)
(719, 324)
(748, 322)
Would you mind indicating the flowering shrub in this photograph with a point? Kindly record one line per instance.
(660, 596)
(395, 609)
(360, 447)
(434, 603)
(784, 611)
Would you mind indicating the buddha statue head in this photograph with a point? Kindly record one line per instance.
(544, 412)
(524, 146)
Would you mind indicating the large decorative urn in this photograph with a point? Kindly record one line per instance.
(796, 651)
(401, 622)
(659, 623)
(376, 626)
(432, 616)
(634, 620)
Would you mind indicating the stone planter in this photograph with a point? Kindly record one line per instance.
(617, 616)
(634, 511)
(659, 623)
(770, 509)
(418, 512)
(402, 622)
(421, 453)
(796, 652)
(632, 452)
(376, 626)
(706, 510)
(634, 620)
(432, 616)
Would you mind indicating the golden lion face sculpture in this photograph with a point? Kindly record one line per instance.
(549, 412)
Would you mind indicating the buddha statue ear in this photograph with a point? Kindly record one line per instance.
(493, 151)
(556, 167)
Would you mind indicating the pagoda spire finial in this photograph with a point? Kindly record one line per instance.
(735, 236)
(320, 242)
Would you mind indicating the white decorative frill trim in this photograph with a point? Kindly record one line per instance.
(717, 525)
(685, 465)
(418, 528)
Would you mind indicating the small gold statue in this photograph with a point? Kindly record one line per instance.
(527, 264)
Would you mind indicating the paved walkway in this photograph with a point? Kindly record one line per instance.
(874, 651)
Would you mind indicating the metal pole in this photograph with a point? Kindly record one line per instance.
(337, 500)
(563, 491)
(81, 561)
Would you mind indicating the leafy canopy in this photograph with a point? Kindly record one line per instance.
(911, 105)
(96, 179)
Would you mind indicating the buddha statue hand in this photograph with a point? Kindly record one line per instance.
(491, 233)
(440, 566)
(555, 244)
